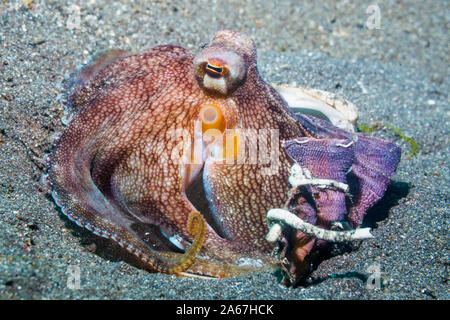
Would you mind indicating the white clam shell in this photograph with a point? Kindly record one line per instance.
(322, 104)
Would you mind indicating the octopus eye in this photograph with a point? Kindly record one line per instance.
(219, 70)
(213, 70)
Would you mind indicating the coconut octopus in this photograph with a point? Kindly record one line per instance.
(178, 157)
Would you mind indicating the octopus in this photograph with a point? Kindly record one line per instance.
(177, 158)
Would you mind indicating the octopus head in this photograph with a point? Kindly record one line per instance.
(222, 66)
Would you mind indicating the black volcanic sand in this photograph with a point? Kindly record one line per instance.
(397, 74)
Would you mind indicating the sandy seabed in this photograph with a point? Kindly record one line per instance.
(397, 74)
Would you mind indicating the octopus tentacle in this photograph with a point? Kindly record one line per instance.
(159, 262)
(209, 269)
(197, 227)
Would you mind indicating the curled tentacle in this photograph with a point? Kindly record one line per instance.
(197, 227)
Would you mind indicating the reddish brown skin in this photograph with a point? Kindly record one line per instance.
(112, 169)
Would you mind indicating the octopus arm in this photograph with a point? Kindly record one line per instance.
(114, 67)
(81, 200)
